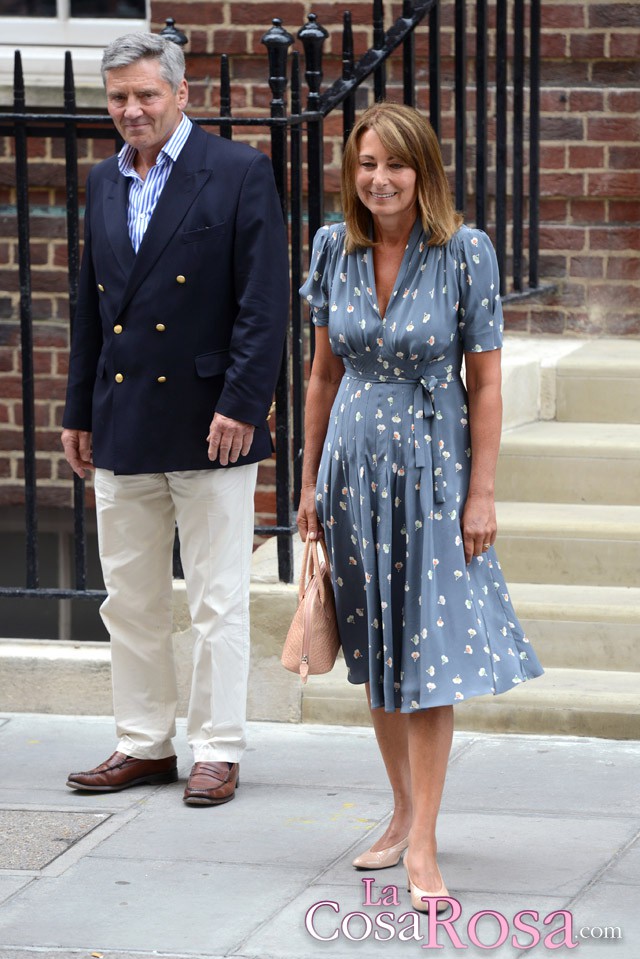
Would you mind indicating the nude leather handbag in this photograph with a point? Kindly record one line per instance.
(313, 640)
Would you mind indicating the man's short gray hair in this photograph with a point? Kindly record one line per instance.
(145, 46)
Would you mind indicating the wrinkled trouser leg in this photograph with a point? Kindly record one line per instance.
(136, 516)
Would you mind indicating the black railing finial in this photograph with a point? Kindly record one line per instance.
(277, 41)
(171, 32)
(19, 99)
(69, 84)
(313, 36)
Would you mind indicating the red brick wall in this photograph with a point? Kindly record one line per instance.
(590, 163)
(50, 311)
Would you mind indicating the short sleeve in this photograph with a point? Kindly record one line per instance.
(480, 309)
(315, 291)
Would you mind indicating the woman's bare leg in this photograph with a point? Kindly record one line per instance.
(392, 734)
(429, 743)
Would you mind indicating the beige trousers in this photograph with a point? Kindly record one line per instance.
(136, 521)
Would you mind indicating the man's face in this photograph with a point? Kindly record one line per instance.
(142, 105)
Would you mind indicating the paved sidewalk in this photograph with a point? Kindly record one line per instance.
(535, 823)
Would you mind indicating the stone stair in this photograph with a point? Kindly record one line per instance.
(570, 543)
(568, 491)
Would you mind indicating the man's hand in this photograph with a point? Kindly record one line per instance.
(228, 439)
(77, 450)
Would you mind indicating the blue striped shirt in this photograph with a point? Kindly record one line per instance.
(144, 194)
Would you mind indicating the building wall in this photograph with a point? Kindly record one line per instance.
(590, 163)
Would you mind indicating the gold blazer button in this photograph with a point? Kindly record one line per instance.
(160, 327)
(180, 278)
(162, 379)
(119, 377)
(117, 328)
(100, 287)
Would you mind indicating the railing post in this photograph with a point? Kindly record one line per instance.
(408, 59)
(73, 258)
(313, 35)
(518, 141)
(26, 329)
(501, 140)
(534, 142)
(349, 105)
(434, 67)
(226, 130)
(380, 73)
(297, 332)
(460, 94)
(481, 113)
(277, 42)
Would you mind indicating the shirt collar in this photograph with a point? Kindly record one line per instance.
(170, 151)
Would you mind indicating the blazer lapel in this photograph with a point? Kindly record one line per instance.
(181, 189)
(115, 217)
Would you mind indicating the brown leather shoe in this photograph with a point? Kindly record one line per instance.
(211, 784)
(120, 771)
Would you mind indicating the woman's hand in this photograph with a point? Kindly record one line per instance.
(479, 526)
(308, 522)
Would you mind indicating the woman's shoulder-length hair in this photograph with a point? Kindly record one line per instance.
(410, 138)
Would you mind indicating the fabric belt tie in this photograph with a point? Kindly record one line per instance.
(424, 408)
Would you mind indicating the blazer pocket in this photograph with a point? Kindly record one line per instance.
(213, 364)
(204, 232)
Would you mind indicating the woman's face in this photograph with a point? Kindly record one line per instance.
(385, 185)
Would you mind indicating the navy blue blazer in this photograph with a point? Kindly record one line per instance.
(192, 324)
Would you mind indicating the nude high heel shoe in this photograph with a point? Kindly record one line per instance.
(417, 894)
(383, 858)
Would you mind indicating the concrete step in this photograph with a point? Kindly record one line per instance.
(572, 544)
(577, 626)
(570, 463)
(600, 382)
(529, 376)
(571, 702)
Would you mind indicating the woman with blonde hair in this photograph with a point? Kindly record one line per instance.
(400, 462)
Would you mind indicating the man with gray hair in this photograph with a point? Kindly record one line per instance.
(176, 348)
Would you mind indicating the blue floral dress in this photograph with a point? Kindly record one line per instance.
(418, 623)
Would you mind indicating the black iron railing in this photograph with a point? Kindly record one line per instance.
(297, 144)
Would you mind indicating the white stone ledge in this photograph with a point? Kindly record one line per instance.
(529, 376)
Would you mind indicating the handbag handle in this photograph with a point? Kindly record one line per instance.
(311, 566)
